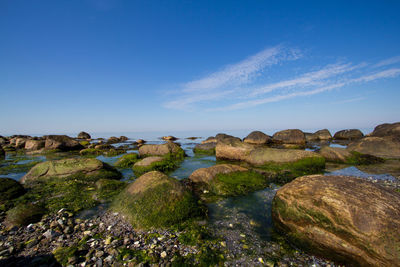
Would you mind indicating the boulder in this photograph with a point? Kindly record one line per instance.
(222, 136)
(155, 200)
(321, 135)
(9, 189)
(113, 140)
(291, 136)
(140, 141)
(210, 139)
(90, 167)
(257, 138)
(146, 162)
(61, 142)
(206, 148)
(20, 142)
(103, 146)
(384, 147)
(265, 155)
(127, 160)
(206, 175)
(153, 163)
(387, 129)
(335, 154)
(160, 150)
(349, 134)
(34, 144)
(232, 148)
(346, 219)
(169, 138)
(84, 135)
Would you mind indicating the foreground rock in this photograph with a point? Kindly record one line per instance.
(89, 167)
(257, 138)
(61, 142)
(387, 129)
(156, 200)
(9, 189)
(160, 150)
(346, 219)
(291, 136)
(349, 134)
(385, 147)
(84, 135)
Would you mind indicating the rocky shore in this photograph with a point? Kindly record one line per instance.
(140, 214)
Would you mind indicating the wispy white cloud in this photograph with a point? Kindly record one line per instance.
(389, 61)
(350, 100)
(237, 86)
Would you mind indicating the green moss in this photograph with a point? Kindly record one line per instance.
(24, 214)
(237, 183)
(91, 152)
(363, 159)
(161, 206)
(17, 168)
(138, 256)
(107, 189)
(62, 254)
(288, 171)
(114, 152)
(204, 151)
(168, 164)
(127, 161)
(84, 143)
(10, 189)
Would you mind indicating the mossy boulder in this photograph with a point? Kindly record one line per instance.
(127, 161)
(346, 219)
(61, 142)
(23, 214)
(342, 155)
(10, 189)
(91, 168)
(107, 189)
(162, 164)
(257, 138)
(90, 152)
(155, 200)
(206, 148)
(161, 150)
(384, 147)
(349, 134)
(291, 136)
(227, 180)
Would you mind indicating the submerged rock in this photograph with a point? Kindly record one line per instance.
(257, 138)
(160, 150)
(349, 134)
(387, 129)
(291, 136)
(10, 189)
(61, 142)
(155, 200)
(343, 218)
(84, 135)
(385, 147)
(90, 167)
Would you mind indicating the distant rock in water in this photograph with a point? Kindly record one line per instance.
(349, 134)
(321, 135)
(257, 138)
(343, 218)
(123, 138)
(113, 140)
(84, 135)
(169, 138)
(62, 142)
(291, 136)
(387, 129)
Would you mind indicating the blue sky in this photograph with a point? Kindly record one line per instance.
(133, 66)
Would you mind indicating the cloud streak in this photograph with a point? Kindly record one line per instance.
(237, 86)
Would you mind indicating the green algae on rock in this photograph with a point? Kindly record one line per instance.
(90, 167)
(155, 200)
(10, 189)
(343, 218)
(90, 152)
(127, 161)
(24, 214)
(206, 148)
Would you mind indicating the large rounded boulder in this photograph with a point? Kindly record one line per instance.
(84, 135)
(387, 129)
(291, 136)
(91, 168)
(384, 147)
(343, 218)
(160, 150)
(257, 138)
(155, 200)
(321, 135)
(232, 148)
(349, 134)
(61, 142)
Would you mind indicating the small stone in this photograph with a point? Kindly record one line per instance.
(99, 254)
(163, 254)
(87, 232)
(49, 234)
(223, 243)
(261, 260)
(108, 240)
